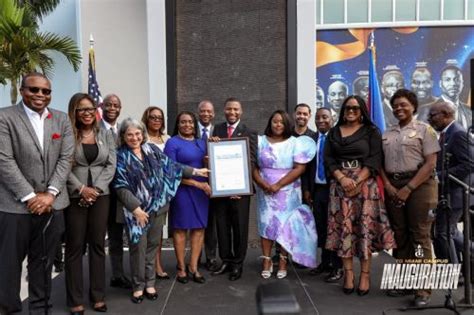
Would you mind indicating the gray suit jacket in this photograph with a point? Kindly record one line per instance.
(25, 168)
(102, 168)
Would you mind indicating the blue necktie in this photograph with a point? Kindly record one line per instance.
(204, 134)
(321, 173)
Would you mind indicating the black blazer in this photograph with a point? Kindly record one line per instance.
(459, 161)
(307, 179)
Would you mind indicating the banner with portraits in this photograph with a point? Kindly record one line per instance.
(433, 62)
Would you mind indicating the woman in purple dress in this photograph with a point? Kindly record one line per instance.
(190, 206)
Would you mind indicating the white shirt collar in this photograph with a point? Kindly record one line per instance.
(208, 128)
(34, 115)
(234, 125)
(108, 126)
(446, 128)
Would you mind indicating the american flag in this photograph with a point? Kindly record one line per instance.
(93, 86)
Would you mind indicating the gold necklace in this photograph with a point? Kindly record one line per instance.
(87, 136)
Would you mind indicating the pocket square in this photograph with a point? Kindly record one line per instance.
(56, 136)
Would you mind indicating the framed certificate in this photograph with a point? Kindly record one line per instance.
(229, 163)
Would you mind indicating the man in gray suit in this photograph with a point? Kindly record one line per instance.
(115, 226)
(37, 145)
(205, 128)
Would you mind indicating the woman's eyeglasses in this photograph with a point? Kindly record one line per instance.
(155, 118)
(352, 108)
(35, 90)
(88, 110)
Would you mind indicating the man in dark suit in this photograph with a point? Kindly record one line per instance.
(115, 225)
(232, 213)
(206, 115)
(453, 140)
(302, 115)
(316, 192)
(36, 152)
(451, 85)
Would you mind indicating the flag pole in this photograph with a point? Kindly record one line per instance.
(91, 41)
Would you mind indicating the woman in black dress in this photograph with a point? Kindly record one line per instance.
(357, 222)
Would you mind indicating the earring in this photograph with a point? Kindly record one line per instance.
(361, 119)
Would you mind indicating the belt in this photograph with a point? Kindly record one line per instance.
(348, 165)
(404, 175)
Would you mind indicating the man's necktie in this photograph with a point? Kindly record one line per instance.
(230, 131)
(204, 134)
(441, 138)
(321, 172)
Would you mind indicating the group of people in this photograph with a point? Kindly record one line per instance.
(90, 178)
(421, 82)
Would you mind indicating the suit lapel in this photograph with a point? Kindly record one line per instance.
(238, 131)
(29, 127)
(48, 133)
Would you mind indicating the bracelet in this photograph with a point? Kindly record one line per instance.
(80, 190)
(340, 177)
(410, 187)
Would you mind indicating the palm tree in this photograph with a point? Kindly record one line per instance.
(23, 48)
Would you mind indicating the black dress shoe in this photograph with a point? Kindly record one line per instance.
(81, 312)
(100, 309)
(334, 276)
(235, 274)
(137, 299)
(321, 268)
(225, 267)
(122, 283)
(212, 265)
(151, 296)
(422, 301)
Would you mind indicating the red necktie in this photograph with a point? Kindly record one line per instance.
(230, 131)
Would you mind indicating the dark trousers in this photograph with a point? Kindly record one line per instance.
(411, 223)
(329, 258)
(115, 232)
(210, 235)
(86, 226)
(21, 236)
(232, 218)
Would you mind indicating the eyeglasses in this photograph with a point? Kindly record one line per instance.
(155, 118)
(88, 110)
(352, 108)
(35, 90)
(431, 115)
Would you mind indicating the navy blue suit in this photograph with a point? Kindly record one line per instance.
(320, 195)
(460, 165)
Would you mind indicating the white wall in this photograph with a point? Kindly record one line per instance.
(119, 30)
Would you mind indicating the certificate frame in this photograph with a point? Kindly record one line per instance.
(228, 181)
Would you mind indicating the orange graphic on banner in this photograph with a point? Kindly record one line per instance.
(329, 53)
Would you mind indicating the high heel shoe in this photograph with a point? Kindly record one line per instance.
(100, 307)
(282, 273)
(348, 290)
(198, 278)
(267, 273)
(137, 299)
(181, 279)
(150, 296)
(77, 310)
(363, 292)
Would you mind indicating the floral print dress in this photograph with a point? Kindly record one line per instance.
(281, 216)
